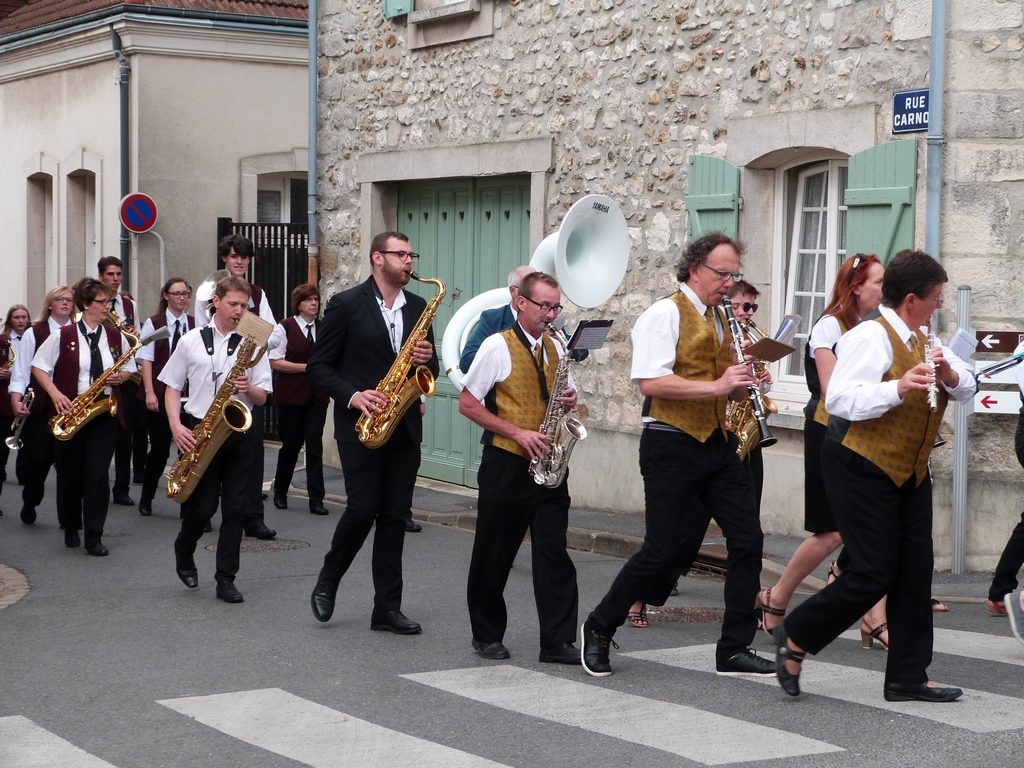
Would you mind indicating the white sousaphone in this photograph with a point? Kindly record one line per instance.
(587, 255)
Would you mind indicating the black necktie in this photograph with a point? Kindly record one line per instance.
(177, 334)
(96, 360)
(309, 332)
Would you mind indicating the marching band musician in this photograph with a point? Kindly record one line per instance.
(506, 391)
(364, 329)
(685, 366)
(236, 252)
(15, 326)
(885, 401)
(66, 365)
(174, 301)
(37, 449)
(301, 407)
(201, 360)
(131, 439)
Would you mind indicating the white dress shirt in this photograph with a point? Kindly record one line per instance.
(279, 337)
(46, 356)
(148, 352)
(21, 373)
(493, 364)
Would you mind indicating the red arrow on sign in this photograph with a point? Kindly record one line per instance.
(988, 401)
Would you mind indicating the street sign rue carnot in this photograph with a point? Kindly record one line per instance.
(910, 110)
(137, 212)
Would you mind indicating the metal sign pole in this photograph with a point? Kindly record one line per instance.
(958, 559)
(163, 264)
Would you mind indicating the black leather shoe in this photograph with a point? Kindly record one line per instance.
(394, 621)
(281, 502)
(28, 515)
(71, 539)
(920, 692)
(322, 599)
(316, 508)
(97, 549)
(594, 654)
(565, 653)
(124, 500)
(259, 530)
(411, 526)
(228, 592)
(493, 650)
(146, 508)
(746, 663)
(189, 576)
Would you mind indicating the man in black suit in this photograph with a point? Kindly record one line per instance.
(363, 330)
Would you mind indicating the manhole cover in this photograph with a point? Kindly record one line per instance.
(686, 615)
(259, 545)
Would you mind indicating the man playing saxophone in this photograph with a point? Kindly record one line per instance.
(206, 359)
(66, 365)
(366, 330)
(507, 391)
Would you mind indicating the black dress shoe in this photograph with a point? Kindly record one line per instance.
(28, 515)
(322, 599)
(71, 539)
(594, 655)
(189, 576)
(493, 650)
(411, 526)
(564, 653)
(146, 508)
(281, 502)
(228, 592)
(259, 530)
(393, 621)
(124, 500)
(316, 508)
(920, 692)
(97, 549)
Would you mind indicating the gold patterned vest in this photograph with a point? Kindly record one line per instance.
(518, 399)
(700, 357)
(900, 441)
(820, 414)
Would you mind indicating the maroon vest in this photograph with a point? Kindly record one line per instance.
(5, 397)
(129, 311)
(257, 298)
(296, 388)
(162, 353)
(65, 371)
(41, 400)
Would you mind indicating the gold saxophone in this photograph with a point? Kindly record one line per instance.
(88, 405)
(561, 428)
(740, 416)
(11, 355)
(225, 414)
(400, 389)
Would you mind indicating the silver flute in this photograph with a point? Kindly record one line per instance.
(933, 388)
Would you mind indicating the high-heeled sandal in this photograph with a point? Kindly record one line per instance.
(764, 604)
(638, 619)
(869, 635)
(790, 682)
(833, 573)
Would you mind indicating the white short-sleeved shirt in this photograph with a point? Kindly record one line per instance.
(21, 373)
(655, 336)
(148, 353)
(46, 356)
(825, 333)
(493, 364)
(192, 363)
(279, 337)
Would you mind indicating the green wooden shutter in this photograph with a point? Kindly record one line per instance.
(880, 199)
(713, 201)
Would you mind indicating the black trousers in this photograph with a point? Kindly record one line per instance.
(686, 484)
(298, 424)
(37, 451)
(226, 481)
(83, 476)
(123, 451)
(379, 484)
(254, 496)
(1005, 578)
(159, 449)
(510, 504)
(887, 531)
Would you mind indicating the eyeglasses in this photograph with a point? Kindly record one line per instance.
(544, 307)
(63, 300)
(937, 299)
(723, 276)
(403, 254)
(180, 294)
(746, 306)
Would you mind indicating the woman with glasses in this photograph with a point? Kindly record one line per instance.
(14, 328)
(37, 449)
(174, 300)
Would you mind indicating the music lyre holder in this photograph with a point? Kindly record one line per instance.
(589, 334)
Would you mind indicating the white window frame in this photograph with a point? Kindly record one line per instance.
(790, 392)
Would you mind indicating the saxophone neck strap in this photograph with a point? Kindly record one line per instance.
(207, 335)
(521, 335)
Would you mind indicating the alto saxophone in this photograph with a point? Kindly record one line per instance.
(88, 405)
(397, 386)
(225, 415)
(740, 416)
(11, 356)
(761, 437)
(560, 427)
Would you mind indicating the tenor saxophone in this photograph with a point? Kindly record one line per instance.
(561, 429)
(400, 389)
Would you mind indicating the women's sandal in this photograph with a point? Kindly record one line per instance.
(638, 619)
(833, 573)
(764, 603)
(790, 682)
(869, 635)
(939, 607)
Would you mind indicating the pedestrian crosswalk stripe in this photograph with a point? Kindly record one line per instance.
(974, 645)
(23, 744)
(977, 711)
(315, 735)
(694, 734)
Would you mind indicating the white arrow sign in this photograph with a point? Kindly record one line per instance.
(990, 341)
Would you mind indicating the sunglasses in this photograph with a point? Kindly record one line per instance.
(746, 306)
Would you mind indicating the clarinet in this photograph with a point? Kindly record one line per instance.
(753, 391)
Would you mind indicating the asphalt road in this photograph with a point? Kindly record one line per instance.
(113, 662)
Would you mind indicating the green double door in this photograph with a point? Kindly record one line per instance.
(471, 233)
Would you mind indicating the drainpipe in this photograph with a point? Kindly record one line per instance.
(123, 81)
(313, 245)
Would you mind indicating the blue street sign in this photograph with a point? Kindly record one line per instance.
(137, 212)
(910, 110)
